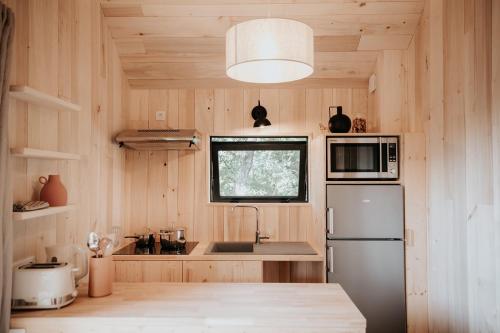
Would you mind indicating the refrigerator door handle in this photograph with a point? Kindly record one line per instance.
(329, 259)
(329, 223)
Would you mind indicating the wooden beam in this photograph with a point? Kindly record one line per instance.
(108, 3)
(216, 70)
(384, 42)
(335, 25)
(320, 58)
(194, 45)
(336, 43)
(229, 83)
(264, 9)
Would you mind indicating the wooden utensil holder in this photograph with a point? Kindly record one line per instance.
(101, 276)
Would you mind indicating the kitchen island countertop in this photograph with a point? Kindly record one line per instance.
(202, 307)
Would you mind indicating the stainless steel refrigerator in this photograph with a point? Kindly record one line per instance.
(365, 251)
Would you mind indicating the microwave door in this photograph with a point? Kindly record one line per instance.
(354, 158)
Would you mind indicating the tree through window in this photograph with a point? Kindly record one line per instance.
(259, 169)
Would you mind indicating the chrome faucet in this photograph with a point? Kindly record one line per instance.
(258, 237)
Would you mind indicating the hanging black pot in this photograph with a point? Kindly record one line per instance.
(339, 123)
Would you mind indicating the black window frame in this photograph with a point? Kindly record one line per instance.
(217, 146)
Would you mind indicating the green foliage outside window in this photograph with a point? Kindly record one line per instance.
(259, 172)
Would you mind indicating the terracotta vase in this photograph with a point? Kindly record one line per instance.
(53, 191)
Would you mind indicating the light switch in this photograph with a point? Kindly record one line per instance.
(161, 115)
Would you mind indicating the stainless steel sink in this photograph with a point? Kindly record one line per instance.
(267, 248)
(230, 247)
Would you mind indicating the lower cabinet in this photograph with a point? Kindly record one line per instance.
(148, 271)
(188, 271)
(222, 271)
(218, 271)
(293, 271)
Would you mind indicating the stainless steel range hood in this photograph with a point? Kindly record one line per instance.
(159, 139)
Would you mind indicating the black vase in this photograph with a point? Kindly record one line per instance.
(339, 123)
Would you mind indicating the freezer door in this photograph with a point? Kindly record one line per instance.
(365, 211)
(372, 274)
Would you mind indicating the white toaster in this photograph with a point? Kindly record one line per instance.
(43, 286)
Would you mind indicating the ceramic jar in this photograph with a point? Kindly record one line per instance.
(359, 125)
(339, 123)
(53, 191)
(101, 276)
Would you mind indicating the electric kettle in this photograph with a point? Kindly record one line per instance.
(72, 254)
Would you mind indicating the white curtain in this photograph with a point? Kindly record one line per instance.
(6, 34)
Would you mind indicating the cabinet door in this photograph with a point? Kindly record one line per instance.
(148, 271)
(222, 271)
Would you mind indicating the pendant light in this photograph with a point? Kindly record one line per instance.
(269, 50)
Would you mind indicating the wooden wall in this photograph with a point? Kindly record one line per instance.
(62, 48)
(456, 85)
(165, 188)
(442, 93)
(396, 107)
(495, 133)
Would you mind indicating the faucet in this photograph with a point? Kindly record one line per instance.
(258, 237)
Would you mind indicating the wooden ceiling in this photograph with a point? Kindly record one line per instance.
(180, 43)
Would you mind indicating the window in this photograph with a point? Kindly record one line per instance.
(258, 169)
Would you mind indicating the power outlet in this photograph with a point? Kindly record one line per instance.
(161, 115)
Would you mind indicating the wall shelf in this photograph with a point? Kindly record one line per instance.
(42, 154)
(30, 95)
(21, 216)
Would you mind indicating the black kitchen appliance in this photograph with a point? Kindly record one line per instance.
(157, 249)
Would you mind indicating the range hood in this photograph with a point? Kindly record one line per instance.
(159, 139)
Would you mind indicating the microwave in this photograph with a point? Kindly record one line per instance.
(362, 158)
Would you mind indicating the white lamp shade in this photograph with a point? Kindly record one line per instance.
(269, 50)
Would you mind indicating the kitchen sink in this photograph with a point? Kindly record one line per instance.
(266, 248)
(230, 247)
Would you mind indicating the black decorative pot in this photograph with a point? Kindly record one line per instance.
(339, 123)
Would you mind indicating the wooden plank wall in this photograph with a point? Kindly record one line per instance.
(396, 107)
(62, 48)
(495, 115)
(457, 93)
(170, 188)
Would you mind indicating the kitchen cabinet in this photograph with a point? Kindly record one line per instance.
(187, 271)
(148, 271)
(222, 271)
(200, 267)
(293, 271)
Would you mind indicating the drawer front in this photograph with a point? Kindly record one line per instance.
(222, 271)
(148, 271)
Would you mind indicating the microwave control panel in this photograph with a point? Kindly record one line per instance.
(393, 152)
(390, 149)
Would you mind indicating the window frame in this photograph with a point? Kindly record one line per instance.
(215, 147)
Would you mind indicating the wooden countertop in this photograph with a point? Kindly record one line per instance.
(202, 307)
(198, 253)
